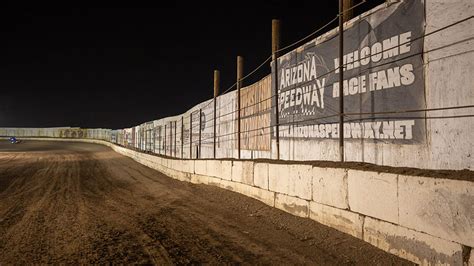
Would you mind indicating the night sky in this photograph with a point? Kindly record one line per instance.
(118, 67)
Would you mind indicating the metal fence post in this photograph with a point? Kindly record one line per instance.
(275, 48)
(240, 70)
(171, 139)
(200, 129)
(182, 136)
(191, 135)
(216, 93)
(341, 80)
(160, 148)
(175, 140)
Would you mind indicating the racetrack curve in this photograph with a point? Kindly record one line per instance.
(69, 202)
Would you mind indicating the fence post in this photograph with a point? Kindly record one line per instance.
(341, 79)
(200, 125)
(182, 136)
(160, 149)
(191, 135)
(240, 70)
(164, 142)
(171, 139)
(275, 48)
(175, 141)
(348, 11)
(154, 139)
(139, 138)
(216, 93)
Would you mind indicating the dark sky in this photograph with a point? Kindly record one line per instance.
(118, 67)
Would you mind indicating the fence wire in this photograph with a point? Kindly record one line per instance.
(170, 140)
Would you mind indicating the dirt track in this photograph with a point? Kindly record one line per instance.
(83, 203)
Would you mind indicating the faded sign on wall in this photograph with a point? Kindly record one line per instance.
(73, 133)
(226, 115)
(206, 127)
(255, 111)
(203, 127)
(383, 73)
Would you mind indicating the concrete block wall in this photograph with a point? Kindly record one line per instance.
(423, 219)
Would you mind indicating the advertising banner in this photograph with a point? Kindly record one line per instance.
(383, 73)
(255, 102)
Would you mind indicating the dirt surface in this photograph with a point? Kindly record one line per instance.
(465, 174)
(83, 203)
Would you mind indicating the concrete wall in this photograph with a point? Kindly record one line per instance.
(426, 220)
(423, 219)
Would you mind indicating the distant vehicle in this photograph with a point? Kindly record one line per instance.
(13, 140)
